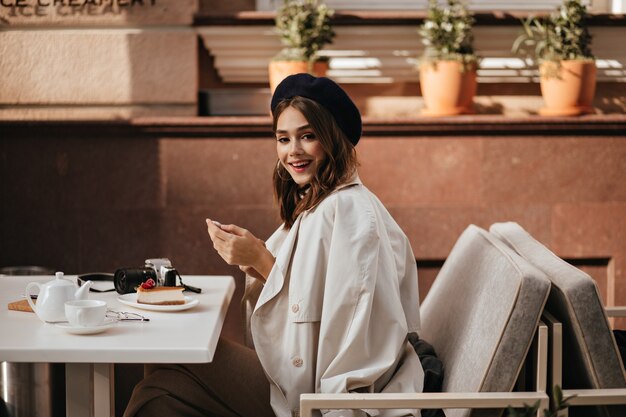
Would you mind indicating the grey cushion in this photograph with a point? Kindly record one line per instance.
(481, 314)
(590, 355)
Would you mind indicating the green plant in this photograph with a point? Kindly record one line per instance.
(563, 35)
(558, 403)
(304, 28)
(447, 33)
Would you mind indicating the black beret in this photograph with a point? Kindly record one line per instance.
(327, 93)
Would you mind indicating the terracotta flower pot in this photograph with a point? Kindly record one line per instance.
(447, 89)
(567, 90)
(279, 70)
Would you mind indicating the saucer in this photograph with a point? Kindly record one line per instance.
(108, 323)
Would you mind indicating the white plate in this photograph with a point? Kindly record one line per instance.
(108, 323)
(131, 300)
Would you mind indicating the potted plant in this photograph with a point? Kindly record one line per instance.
(448, 65)
(304, 28)
(561, 44)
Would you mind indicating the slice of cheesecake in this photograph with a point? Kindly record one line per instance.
(161, 295)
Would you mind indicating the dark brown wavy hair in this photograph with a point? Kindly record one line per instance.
(338, 166)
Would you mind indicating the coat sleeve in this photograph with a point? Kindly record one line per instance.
(363, 326)
(253, 287)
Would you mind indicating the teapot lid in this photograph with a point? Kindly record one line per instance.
(58, 281)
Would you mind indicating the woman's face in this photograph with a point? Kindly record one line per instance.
(298, 148)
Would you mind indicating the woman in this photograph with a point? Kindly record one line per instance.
(332, 294)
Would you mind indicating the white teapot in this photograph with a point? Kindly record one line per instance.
(52, 296)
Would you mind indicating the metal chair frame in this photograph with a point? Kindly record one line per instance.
(579, 397)
(310, 402)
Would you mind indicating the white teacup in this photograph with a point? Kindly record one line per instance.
(85, 313)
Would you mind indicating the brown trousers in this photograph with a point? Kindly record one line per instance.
(233, 385)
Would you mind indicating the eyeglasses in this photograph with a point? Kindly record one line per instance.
(125, 316)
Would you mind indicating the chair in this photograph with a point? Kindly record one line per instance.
(481, 315)
(590, 354)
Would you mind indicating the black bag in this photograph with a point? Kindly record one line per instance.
(433, 370)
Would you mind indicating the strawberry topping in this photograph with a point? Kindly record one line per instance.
(148, 284)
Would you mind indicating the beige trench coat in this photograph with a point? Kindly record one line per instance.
(335, 311)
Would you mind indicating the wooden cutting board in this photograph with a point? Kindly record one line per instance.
(21, 305)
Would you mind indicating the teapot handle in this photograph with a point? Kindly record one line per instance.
(28, 297)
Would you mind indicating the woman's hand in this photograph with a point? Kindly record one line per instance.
(237, 246)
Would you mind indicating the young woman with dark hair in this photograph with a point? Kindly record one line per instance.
(337, 166)
(330, 297)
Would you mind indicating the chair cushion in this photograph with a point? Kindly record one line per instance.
(481, 314)
(590, 355)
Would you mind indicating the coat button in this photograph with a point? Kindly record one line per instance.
(297, 362)
(295, 308)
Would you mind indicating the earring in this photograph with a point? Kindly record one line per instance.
(278, 169)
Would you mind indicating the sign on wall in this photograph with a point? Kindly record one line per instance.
(85, 12)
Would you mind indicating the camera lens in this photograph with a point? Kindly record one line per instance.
(126, 280)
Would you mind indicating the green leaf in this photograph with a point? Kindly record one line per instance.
(561, 35)
(447, 30)
(304, 28)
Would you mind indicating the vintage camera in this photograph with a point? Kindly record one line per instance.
(126, 280)
(166, 274)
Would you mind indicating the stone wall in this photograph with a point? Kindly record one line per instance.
(95, 196)
(83, 198)
(97, 60)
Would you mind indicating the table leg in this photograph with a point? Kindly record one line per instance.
(89, 390)
(104, 394)
(78, 389)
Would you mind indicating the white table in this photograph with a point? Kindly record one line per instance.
(188, 336)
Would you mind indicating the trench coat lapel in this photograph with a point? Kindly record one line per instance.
(276, 279)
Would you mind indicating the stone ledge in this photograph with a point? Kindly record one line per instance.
(34, 113)
(260, 127)
(380, 102)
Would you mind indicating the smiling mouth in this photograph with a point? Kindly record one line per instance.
(300, 166)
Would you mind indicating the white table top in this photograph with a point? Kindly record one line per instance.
(188, 336)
